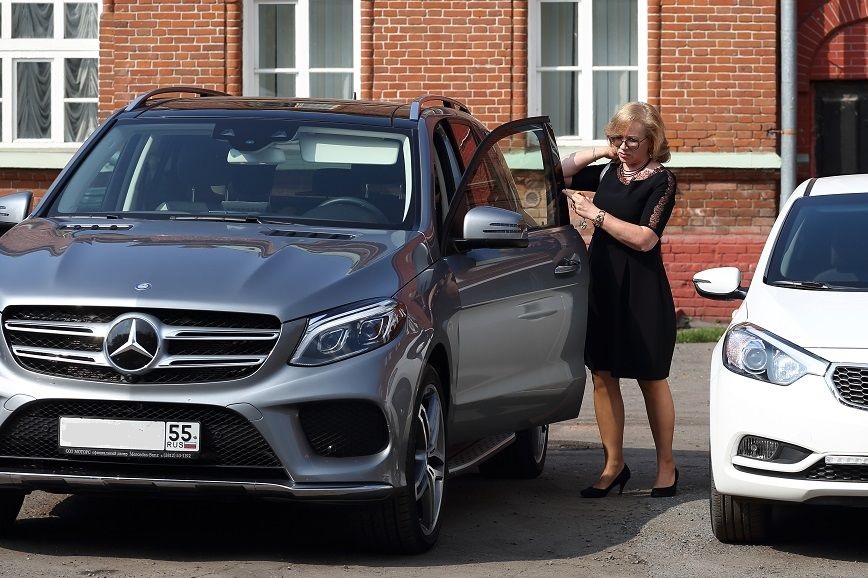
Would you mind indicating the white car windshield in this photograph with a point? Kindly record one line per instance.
(822, 244)
(329, 175)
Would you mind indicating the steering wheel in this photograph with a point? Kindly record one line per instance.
(371, 209)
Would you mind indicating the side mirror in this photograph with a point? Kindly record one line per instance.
(720, 283)
(493, 227)
(14, 208)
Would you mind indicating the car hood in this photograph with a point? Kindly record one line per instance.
(811, 318)
(283, 270)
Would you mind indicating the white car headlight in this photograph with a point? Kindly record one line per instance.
(349, 331)
(759, 354)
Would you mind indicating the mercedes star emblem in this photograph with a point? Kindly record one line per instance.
(132, 344)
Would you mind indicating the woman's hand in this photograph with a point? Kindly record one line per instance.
(581, 205)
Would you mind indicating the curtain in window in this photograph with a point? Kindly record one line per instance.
(33, 104)
(80, 82)
(331, 46)
(277, 49)
(32, 20)
(80, 20)
(559, 88)
(616, 43)
(331, 84)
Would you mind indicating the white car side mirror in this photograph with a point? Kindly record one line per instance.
(722, 283)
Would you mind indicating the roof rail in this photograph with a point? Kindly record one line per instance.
(142, 99)
(416, 105)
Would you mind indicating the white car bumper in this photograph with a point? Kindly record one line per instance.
(807, 414)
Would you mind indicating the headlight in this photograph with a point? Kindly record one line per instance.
(756, 353)
(349, 331)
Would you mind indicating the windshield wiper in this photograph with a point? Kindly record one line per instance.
(227, 218)
(271, 219)
(97, 216)
(802, 284)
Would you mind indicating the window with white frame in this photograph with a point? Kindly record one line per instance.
(49, 51)
(302, 48)
(586, 58)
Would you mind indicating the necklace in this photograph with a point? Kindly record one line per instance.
(629, 175)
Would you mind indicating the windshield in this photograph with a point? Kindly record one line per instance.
(822, 244)
(255, 169)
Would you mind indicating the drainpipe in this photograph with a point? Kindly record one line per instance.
(788, 99)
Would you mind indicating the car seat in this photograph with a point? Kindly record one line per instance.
(200, 170)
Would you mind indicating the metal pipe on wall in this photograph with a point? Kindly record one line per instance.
(788, 99)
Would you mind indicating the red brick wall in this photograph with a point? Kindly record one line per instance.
(148, 44)
(721, 218)
(685, 255)
(475, 51)
(35, 180)
(714, 73)
(717, 202)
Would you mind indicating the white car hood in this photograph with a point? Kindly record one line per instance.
(811, 318)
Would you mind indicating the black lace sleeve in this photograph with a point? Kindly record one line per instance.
(660, 202)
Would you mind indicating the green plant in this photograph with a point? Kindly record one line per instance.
(700, 334)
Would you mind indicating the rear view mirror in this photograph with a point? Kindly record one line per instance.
(269, 155)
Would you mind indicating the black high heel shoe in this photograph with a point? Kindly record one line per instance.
(668, 491)
(620, 480)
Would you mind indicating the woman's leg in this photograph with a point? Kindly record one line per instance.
(661, 417)
(609, 409)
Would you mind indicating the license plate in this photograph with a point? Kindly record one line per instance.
(128, 438)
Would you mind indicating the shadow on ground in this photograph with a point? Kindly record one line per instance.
(485, 521)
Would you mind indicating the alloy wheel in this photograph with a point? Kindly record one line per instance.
(429, 459)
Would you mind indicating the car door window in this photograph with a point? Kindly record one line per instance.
(490, 180)
(536, 185)
(465, 141)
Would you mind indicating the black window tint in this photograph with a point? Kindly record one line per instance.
(823, 240)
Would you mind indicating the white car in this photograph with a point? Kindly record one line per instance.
(789, 378)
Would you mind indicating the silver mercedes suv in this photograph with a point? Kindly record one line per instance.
(294, 298)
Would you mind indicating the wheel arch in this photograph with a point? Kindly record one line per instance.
(439, 360)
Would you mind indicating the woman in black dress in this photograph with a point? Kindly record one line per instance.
(631, 317)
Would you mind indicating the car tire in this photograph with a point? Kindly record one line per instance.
(736, 520)
(409, 521)
(525, 458)
(10, 505)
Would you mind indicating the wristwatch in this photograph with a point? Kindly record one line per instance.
(598, 220)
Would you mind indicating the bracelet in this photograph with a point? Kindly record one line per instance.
(598, 220)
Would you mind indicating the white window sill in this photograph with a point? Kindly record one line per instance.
(694, 160)
(46, 156)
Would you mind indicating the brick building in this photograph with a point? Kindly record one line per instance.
(712, 69)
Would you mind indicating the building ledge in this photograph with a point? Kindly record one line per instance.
(695, 160)
(45, 157)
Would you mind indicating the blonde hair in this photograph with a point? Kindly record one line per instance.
(649, 118)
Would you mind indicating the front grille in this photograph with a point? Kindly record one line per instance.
(836, 473)
(227, 438)
(344, 429)
(851, 382)
(197, 346)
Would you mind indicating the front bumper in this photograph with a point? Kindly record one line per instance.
(806, 414)
(69, 484)
(270, 402)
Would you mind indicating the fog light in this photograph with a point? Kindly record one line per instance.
(758, 448)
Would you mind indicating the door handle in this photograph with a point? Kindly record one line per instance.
(567, 267)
